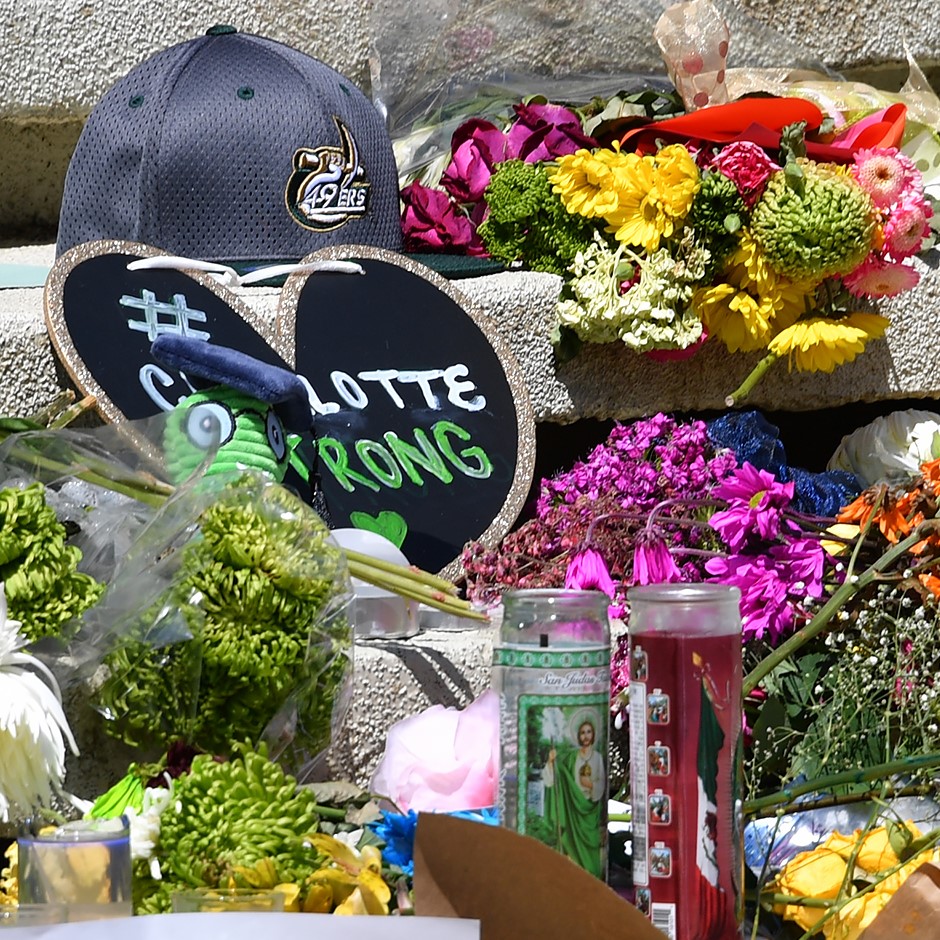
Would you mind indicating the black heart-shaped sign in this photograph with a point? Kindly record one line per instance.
(421, 411)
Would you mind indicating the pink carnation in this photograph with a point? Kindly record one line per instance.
(907, 227)
(878, 277)
(748, 167)
(887, 175)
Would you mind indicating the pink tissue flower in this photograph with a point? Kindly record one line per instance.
(546, 131)
(432, 222)
(477, 146)
(748, 167)
(442, 759)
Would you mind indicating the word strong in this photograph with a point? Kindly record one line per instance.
(421, 408)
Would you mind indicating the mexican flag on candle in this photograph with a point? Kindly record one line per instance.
(714, 906)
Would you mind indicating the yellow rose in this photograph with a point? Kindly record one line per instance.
(857, 914)
(817, 874)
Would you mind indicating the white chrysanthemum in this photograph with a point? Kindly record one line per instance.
(892, 447)
(145, 825)
(33, 726)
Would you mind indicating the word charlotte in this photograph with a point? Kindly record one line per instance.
(436, 451)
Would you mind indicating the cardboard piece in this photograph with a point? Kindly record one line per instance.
(514, 885)
(913, 911)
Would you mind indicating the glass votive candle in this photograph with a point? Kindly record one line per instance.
(32, 915)
(84, 865)
(205, 900)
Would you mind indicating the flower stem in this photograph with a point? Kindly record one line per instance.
(818, 624)
(747, 386)
(787, 795)
(845, 799)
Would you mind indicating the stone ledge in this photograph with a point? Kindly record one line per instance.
(604, 382)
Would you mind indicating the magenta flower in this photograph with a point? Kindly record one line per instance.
(477, 146)
(587, 571)
(756, 501)
(766, 608)
(546, 131)
(652, 561)
(432, 222)
(747, 166)
(800, 563)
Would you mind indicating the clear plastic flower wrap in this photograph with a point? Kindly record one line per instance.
(227, 621)
(224, 616)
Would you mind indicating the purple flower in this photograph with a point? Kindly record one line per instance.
(755, 506)
(652, 561)
(766, 609)
(587, 571)
(432, 222)
(801, 564)
(546, 131)
(477, 146)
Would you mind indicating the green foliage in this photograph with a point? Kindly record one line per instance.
(526, 219)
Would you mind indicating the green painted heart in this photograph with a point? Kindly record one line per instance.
(390, 524)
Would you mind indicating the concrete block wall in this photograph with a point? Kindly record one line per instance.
(58, 57)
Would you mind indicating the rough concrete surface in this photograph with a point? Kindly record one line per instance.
(606, 381)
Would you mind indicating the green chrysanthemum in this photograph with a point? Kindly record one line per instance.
(717, 214)
(226, 817)
(528, 221)
(816, 226)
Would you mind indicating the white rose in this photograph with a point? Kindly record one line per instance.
(891, 448)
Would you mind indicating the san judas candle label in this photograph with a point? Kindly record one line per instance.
(424, 429)
(560, 709)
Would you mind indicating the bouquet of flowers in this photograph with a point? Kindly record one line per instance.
(754, 222)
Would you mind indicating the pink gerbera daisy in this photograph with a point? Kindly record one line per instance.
(877, 277)
(885, 174)
(907, 227)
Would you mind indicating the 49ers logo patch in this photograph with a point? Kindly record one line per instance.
(329, 186)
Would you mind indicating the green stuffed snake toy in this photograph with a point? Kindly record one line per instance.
(241, 409)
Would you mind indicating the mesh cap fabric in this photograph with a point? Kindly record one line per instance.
(233, 148)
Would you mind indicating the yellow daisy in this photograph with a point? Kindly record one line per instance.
(589, 183)
(819, 344)
(657, 197)
(752, 304)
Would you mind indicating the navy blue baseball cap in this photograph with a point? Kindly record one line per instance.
(236, 149)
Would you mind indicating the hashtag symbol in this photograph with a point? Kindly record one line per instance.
(160, 317)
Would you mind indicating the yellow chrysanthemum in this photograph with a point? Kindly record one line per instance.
(819, 344)
(752, 303)
(589, 183)
(657, 197)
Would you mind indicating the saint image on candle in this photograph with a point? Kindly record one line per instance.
(575, 782)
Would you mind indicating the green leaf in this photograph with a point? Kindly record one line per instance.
(567, 343)
(732, 223)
